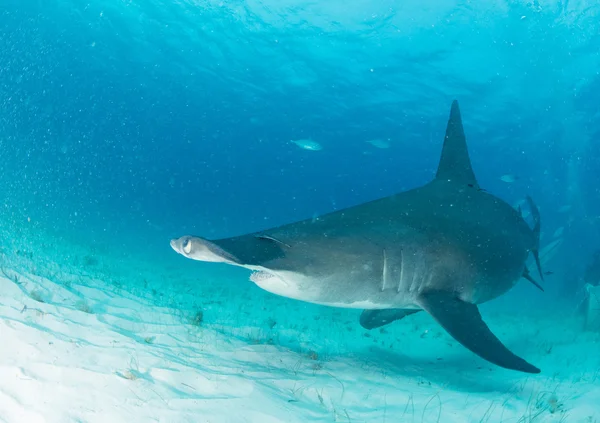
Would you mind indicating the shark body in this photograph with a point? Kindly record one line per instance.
(443, 247)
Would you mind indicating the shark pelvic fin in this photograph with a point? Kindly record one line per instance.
(372, 319)
(527, 276)
(463, 321)
(455, 164)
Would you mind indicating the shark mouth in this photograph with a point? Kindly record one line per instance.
(260, 276)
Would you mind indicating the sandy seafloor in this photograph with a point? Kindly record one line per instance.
(90, 336)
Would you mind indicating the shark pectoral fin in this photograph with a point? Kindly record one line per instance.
(372, 319)
(463, 322)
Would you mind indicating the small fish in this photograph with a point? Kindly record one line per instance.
(309, 145)
(509, 178)
(565, 208)
(548, 272)
(379, 144)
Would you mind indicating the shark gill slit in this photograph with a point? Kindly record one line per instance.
(384, 275)
(400, 279)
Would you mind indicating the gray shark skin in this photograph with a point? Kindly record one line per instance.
(444, 248)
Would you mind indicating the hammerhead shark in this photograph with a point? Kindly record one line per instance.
(444, 247)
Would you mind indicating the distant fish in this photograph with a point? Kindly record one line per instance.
(308, 145)
(565, 208)
(558, 232)
(379, 144)
(509, 178)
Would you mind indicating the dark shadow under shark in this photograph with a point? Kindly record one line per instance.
(444, 248)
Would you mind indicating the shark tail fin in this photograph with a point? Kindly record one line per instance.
(535, 213)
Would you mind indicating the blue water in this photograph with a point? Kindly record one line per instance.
(126, 123)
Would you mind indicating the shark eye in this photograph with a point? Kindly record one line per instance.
(187, 246)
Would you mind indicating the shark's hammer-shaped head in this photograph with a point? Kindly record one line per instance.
(199, 249)
(262, 254)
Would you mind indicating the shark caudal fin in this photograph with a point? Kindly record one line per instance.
(455, 164)
(535, 213)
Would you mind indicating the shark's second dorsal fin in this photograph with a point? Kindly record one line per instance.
(455, 164)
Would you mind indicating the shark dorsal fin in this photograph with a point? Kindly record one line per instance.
(455, 164)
